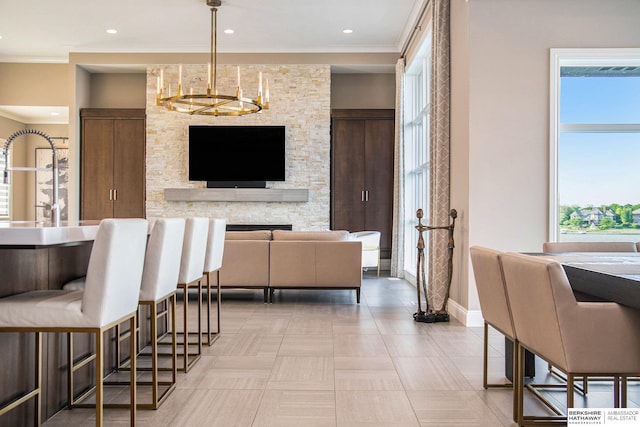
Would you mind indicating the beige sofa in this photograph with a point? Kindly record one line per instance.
(291, 260)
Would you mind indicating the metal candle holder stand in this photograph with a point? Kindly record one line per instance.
(429, 316)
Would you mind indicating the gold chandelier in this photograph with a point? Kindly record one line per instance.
(211, 103)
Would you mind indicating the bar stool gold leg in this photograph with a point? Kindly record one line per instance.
(39, 377)
(219, 300)
(154, 352)
(199, 317)
(70, 367)
(185, 333)
(133, 350)
(211, 337)
(98, 373)
(187, 362)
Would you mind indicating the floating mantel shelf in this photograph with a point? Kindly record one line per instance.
(236, 195)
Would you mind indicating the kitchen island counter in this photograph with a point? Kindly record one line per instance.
(37, 256)
(33, 234)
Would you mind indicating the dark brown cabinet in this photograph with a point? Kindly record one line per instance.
(112, 163)
(362, 144)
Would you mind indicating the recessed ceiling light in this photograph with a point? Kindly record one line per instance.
(229, 31)
(347, 31)
(53, 113)
(112, 31)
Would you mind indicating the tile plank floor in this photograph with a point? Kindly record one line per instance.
(316, 358)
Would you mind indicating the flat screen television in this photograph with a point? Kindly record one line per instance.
(236, 156)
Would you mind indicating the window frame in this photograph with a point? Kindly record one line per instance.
(560, 57)
(416, 119)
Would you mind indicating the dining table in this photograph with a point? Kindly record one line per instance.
(602, 276)
(593, 276)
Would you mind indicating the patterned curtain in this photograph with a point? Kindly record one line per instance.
(439, 141)
(397, 251)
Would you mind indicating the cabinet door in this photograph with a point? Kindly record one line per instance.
(379, 137)
(97, 168)
(362, 154)
(129, 168)
(347, 155)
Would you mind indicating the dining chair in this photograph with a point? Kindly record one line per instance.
(495, 309)
(110, 297)
(494, 304)
(561, 247)
(578, 338)
(212, 264)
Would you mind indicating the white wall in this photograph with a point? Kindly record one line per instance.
(34, 84)
(459, 173)
(118, 90)
(349, 91)
(507, 72)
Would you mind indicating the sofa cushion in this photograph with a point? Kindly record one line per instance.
(333, 235)
(339, 264)
(248, 235)
(309, 264)
(245, 263)
(292, 264)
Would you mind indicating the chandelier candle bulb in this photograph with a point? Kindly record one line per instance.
(260, 84)
(266, 94)
(209, 77)
(159, 89)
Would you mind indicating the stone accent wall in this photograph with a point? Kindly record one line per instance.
(300, 100)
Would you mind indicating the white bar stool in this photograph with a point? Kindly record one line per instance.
(111, 296)
(159, 287)
(190, 276)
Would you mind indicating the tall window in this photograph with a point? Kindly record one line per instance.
(4, 188)
(595, 145)
(416, 146)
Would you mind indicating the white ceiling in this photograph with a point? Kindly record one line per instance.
(46, 31)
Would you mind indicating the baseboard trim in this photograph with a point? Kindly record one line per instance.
(469, 318)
